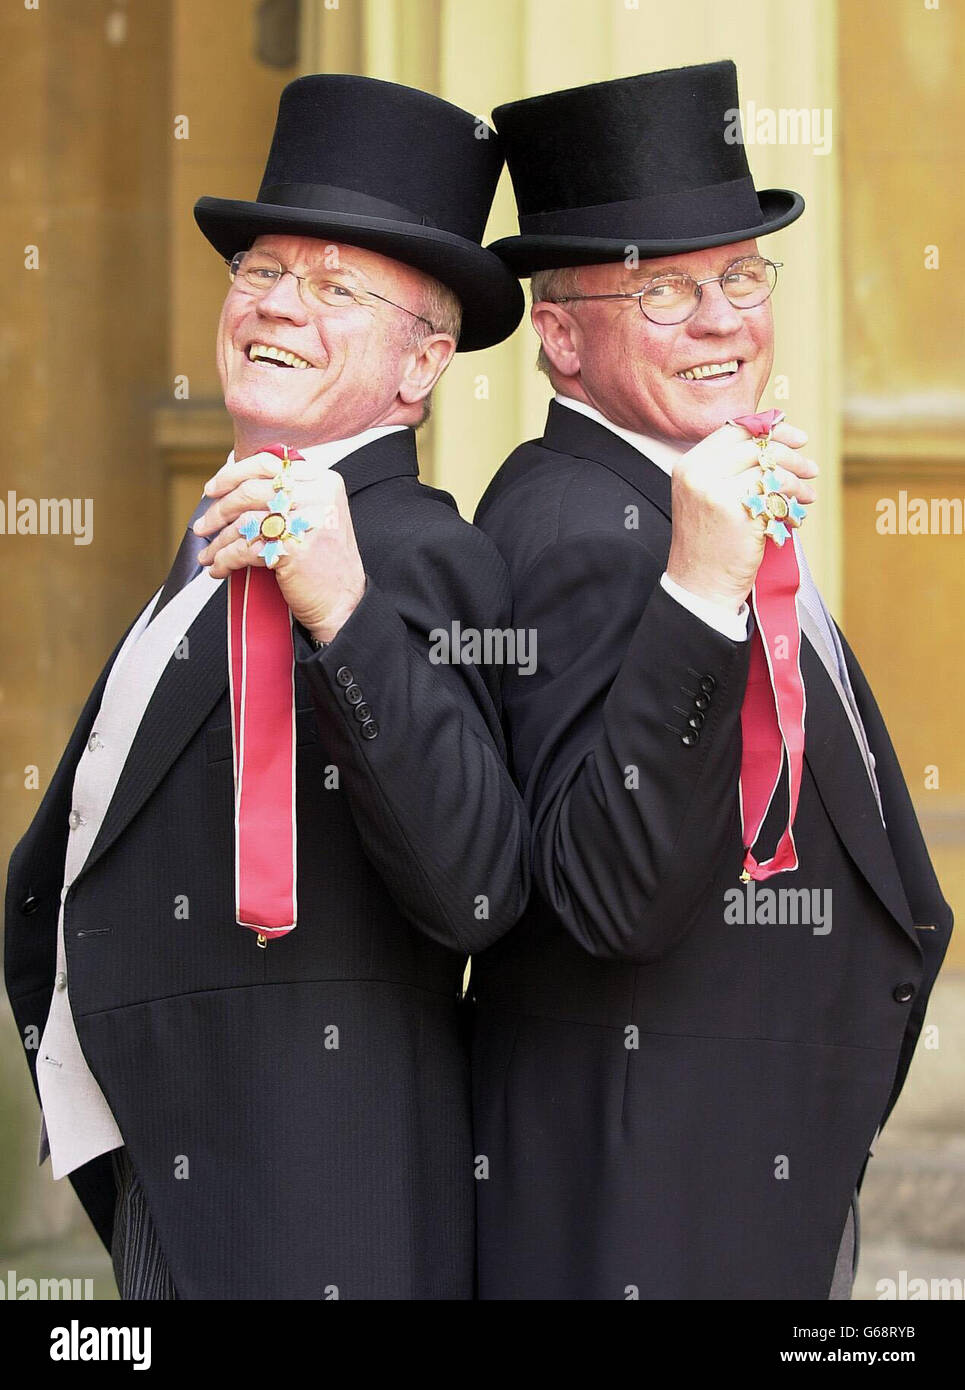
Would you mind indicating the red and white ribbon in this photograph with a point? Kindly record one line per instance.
(261, 673)
(772, 715)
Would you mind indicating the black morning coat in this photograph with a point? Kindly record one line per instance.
(671, 1107)
(314, 1170)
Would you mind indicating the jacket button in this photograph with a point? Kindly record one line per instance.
(690, 737)
(369, 729)
(353, 694)
(344, 675)
(708, 685)
(29, 905)
(902, 993)
(362, 712)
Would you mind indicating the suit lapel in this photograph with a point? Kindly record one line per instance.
(831, 752)
(569, 432)
(182, 700)
(839, 772)
(392, 456)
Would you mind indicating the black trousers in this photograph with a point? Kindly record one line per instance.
(140, 1268)
(846, 1265)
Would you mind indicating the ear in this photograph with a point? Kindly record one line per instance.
(425, 365)
(560, 335)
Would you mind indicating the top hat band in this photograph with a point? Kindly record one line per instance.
(691, 212)
(327, 197)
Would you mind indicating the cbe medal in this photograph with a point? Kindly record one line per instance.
(261, 674)
(768, 501)
(279, 525)
(772, 714)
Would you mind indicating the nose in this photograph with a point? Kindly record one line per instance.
(284, 300)
(715, 313)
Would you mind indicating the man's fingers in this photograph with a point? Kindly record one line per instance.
(236, 554)
(745, 454)
(788, 483)
(260, 465)
(252, 492)
(789, 435)
(780, 456)
(227, 536)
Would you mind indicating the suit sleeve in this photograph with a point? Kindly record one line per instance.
(626, 740)
(416, 735)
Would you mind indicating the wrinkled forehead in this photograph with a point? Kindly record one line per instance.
(307, 255)
(599, 279)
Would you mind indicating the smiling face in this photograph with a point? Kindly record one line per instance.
(365, 366)
(678, 382)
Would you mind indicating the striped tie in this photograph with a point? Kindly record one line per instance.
(185, 566)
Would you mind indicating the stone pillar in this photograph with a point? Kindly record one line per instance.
(82, 355)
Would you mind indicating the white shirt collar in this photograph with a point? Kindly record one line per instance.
(334, 450)
(659, 451)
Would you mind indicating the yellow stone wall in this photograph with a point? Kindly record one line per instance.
(902, 105)
(124, 303)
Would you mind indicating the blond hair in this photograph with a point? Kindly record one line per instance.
(444, 312)
(553, 284)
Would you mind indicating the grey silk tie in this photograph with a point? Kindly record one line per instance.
(818, 627)
(185, 566)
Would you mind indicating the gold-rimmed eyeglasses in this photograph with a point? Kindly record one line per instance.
(256, 272)
(675, 296)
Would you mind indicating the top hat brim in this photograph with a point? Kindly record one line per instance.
(527, 254)
(492, 301)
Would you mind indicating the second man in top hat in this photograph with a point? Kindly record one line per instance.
(676, 1092)
(293, 1121)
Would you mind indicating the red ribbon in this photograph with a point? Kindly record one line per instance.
(772, 715)
(261, 673)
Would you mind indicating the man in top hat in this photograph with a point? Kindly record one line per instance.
(678, 1075)
(248, 1110)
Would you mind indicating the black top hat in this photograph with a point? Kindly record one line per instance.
(390, 169)
(641, 161)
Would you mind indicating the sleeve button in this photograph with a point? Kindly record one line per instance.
(369, 729)
(690, 737)
(344, 675)
(353, 694)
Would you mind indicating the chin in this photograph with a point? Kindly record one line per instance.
(706, 416)
(242, 407)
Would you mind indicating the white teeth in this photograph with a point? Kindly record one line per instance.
(260, 350)
(710, 369)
